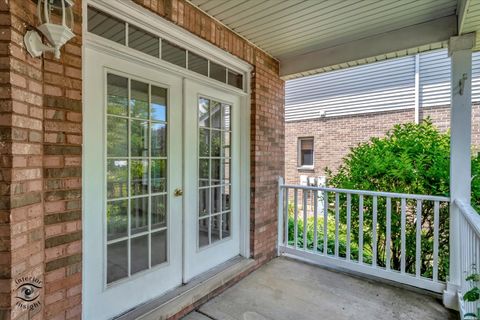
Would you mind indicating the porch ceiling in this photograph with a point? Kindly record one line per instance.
(311, 36)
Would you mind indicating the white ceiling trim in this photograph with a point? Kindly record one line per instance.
(434, 31)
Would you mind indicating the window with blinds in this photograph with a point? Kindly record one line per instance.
(305, 152)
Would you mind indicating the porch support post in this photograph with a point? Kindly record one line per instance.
(460, 51)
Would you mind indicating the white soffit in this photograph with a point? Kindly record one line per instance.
(289, 29)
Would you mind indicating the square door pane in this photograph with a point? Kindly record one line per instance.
(159, 176)
(117, 178)
(139, 254)
(139, 138)
(139, 215)
(216, 206)
(204, 112)
(204, 171)
(204, 202)
(158, 106)
(143, 41)
(159, 211)
(117, 137)
(159, 139)
(203, 225)
(139, 99)
(159, 247)
(117, 95)
(215, 227)
(174, 54)
(204, 143)
(117, 219)
(117, 261)
(226, 225)
(197, 63)
(139, 176)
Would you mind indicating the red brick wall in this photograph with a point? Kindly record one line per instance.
(333, 137)
(41, 135)
(41, 148)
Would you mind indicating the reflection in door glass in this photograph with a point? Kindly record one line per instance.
(136, 176)
(214, 158)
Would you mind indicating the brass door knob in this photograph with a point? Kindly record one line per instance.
(178, 192)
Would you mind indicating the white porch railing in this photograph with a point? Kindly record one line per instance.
(469, 251)
(367, 232)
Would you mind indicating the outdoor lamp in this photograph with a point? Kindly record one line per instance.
(56, 24)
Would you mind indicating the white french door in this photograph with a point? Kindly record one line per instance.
(211, 149)
(149, 136)
(132, 151)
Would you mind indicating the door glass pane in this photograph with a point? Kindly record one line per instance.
(117, 219)
(136, 176)
(139, 253)
(139, 138)
(214, 164)
(159, 139)
(117, 137)
(159, 214)
(139, 99)
(203, 225)
(139, 176)
(117, 178)
(139, 215)
(215, 227)
(159, 247)
(159, 176)
(117, 261)
(158, 107)
(117, 95)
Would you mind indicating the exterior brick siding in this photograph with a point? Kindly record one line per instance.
(335, 136)
(41, 154)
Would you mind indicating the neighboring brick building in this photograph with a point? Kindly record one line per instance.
(343, 108)
(334, 137)
(41, 154)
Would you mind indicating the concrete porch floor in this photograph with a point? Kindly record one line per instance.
(285, 289)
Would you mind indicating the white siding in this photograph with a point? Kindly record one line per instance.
(376, 87)
(434, 79)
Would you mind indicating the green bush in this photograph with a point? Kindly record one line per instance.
(414, 159)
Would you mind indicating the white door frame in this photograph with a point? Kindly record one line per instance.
(132, 13)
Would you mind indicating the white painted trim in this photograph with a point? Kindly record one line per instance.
(137, 15)
(325, 260)
(410, 37)
(417, 88)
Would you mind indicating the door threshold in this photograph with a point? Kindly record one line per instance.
(176, 300)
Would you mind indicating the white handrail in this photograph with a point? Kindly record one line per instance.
(370, 193)
(471, 215)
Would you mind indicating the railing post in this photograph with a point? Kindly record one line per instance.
(460, 51)
(280, 215)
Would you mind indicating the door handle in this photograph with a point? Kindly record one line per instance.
(178, 192)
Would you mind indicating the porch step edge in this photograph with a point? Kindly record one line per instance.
(184, 296)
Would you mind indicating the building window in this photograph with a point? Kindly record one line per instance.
(305, 152)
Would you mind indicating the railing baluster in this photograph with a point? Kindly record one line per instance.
(418, 240)
(374, 232)
(403, 240)
(286, 216)
(305, 215)
(436, 214)
(388, 239)
(349, 217)
(295, 218)
(325, 223)
(337, 221)
(315, 221)
(360, 229)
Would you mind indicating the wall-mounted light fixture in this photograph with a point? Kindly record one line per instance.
(56, 24)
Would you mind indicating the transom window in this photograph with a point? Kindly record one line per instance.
(106, 26)
(136, 179)
(305, 152)
(214, 163)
